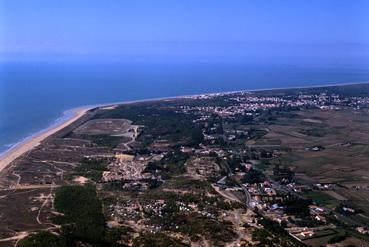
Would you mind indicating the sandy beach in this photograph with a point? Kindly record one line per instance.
(10, 155)
(35, 140)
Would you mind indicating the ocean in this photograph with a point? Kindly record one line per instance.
(35, 95)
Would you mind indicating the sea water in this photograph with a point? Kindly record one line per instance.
(35, 95)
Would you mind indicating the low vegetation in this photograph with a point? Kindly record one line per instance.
(253, 176)
(91, 168)
(156, 240)
(43, 239)
(171, 164)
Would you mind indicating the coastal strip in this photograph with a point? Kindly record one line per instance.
(33, 141)
(28, 144)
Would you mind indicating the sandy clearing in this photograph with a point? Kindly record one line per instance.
(81, 180)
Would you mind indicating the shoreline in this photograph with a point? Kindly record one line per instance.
(32, 141)
(312, 86)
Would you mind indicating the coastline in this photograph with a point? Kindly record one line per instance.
(34, 140)
(307, 87)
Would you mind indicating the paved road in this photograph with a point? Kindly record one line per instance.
(247, 196)
(227, 194)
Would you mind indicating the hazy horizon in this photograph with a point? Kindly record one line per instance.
(56, 55)
(327, 33)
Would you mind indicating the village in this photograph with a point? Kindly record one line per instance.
(207, 170)
(276, 197)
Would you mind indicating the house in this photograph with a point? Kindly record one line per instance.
(362, 230)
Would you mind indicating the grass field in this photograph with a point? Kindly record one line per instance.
(344, 158)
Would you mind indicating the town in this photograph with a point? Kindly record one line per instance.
(224, 169)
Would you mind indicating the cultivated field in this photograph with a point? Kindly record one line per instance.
(343, 156)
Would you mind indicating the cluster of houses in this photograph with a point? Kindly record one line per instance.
(129, 171)
(124, 211)
(324, 186)
(249, 103)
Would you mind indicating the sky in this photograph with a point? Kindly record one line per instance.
(332, 31)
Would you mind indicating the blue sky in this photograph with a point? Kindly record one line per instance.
(328, 30)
